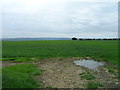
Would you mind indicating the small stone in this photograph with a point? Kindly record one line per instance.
(109, 82)
(55, 76)
(33, 62)
(58, 70)
(65, 86)
(75, 84)
(87, 57)
(64, 77)
(116, 82)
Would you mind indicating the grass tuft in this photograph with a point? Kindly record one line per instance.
(92, 84)
(87, 76)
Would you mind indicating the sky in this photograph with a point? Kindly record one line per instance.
(59, 18)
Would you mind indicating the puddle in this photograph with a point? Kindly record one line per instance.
(90, 64)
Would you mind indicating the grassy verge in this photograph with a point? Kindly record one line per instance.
(20, 76)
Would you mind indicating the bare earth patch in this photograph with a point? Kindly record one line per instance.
(62, 73)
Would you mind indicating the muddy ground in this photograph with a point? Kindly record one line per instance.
(63, 73)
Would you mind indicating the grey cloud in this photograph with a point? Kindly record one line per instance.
(65, 19)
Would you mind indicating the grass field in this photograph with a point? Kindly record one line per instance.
(105, 50)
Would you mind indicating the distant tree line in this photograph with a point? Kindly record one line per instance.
(74, 38)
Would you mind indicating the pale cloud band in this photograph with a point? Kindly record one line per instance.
(59, 18)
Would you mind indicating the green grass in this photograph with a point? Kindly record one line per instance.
(87, 76)
(118, 77)
(20, 76)
(111, 69)
(104, 50)
(92, 84)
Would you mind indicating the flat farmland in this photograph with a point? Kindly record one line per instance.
(105, 50)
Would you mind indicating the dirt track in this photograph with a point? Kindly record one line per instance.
(61, 74)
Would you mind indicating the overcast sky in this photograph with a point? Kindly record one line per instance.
(57, 18)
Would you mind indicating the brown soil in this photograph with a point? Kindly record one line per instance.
(62, 73)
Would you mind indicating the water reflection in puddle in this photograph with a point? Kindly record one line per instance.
(90, 64)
